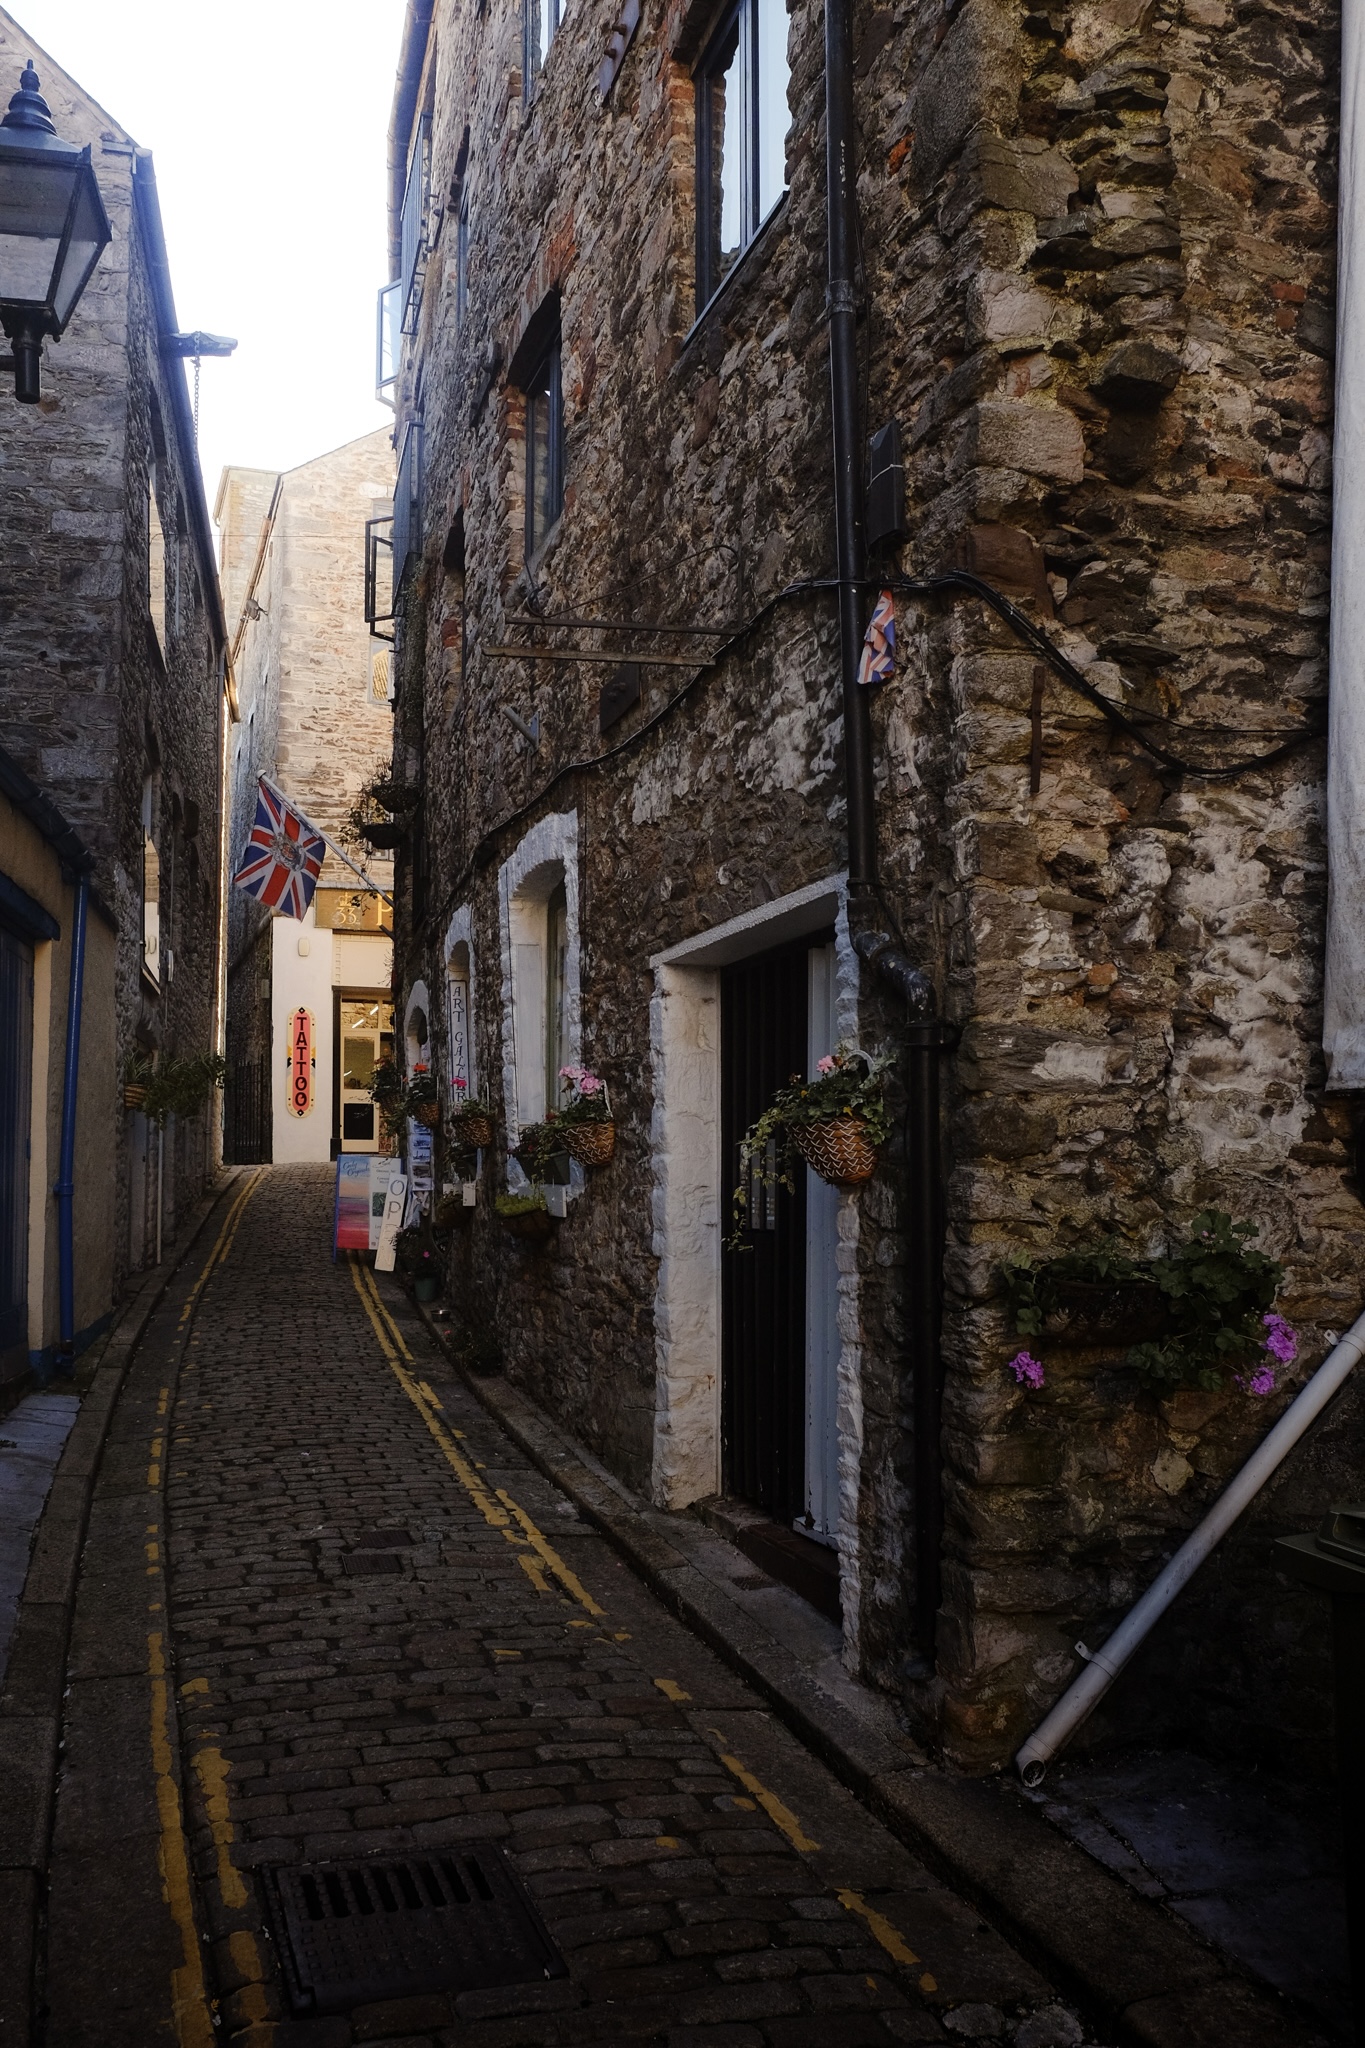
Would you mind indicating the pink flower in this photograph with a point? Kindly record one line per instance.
(1262, 1381)
(1281, 1342)
(826, 1065)
(1026, 1369)
(590, 1085)
(456, 1082)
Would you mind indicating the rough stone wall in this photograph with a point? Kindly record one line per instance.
(1098, 275)
(91, 702)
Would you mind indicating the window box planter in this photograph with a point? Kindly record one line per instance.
(525, 1216)
(839, 1149)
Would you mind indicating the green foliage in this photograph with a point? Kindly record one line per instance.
(1216, 1287)
(175, 1087)
(853, 1083)
(519, 1205)
(540, 1150)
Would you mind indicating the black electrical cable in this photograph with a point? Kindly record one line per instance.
(941, 585)
(961, 579)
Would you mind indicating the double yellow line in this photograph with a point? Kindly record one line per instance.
(498, 1508)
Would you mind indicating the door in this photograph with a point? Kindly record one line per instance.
(763, 1036)
(821, 1517)
(364, 1037)
(16, 1041)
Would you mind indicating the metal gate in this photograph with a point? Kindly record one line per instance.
(246, 1114)
(763, 1031)
(16, 1039)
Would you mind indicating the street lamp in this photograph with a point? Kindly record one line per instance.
(53, 229)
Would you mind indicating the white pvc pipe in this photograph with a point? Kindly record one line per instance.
(1103, 1666)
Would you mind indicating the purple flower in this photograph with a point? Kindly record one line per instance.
(1281, 1342)
(1026, 1369)
(1262, 1381)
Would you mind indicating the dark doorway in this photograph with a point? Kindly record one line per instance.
(16, 1040)
(764, 1005)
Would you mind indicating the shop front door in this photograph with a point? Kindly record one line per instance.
(364, 1037)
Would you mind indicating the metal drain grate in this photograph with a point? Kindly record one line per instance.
(353, 1933)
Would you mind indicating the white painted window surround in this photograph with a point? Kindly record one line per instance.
(1344, 1007)
(417, 1026)
(547, 856)
(688, 1223)
(462, 1059)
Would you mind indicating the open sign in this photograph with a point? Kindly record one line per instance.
(301, 1062)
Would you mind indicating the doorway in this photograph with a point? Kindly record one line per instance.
(16, 1040)
(364, 1037)
(779, 1344)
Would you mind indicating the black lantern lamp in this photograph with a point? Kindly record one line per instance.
(53, 230)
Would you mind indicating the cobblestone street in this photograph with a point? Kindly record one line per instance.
(326, 1610)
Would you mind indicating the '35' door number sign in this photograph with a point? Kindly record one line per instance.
(302, 1062)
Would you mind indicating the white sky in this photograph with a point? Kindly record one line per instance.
(268, 121)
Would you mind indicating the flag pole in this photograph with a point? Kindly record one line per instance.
(345, 858)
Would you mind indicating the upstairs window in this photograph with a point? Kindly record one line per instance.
(413, 225)
(544, 448)
(542, 18)
(462, 260)
(742, 125)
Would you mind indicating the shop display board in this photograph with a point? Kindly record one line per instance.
(362, 1191)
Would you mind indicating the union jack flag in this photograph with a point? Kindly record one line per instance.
(283, 856)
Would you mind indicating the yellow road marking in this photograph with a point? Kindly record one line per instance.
(391, 1344)
(533, 1572)
(883, 1932)
(251, 1999)
(192, 1686)
(222, 1246)
(212, 1769)
(189, 2001)
(671, 1690)
(552, 1558)
(489, 1509)
(781, 1815)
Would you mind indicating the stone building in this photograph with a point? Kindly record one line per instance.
(111, 679)
(312, 713)
(1093, 294)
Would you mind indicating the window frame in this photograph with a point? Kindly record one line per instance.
(533, 55)
(740, 17)
(548, 370)
(462, 260)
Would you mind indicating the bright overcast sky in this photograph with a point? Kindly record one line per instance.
(267, 120)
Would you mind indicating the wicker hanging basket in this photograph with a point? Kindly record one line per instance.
(589, 1144)
(134, 1095)
(473, 1129)
(427, 1113)
(838, 1149)
(535, 1225)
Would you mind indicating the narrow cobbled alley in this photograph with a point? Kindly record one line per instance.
(328, 1615)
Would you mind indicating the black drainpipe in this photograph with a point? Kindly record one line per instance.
(923, 1193)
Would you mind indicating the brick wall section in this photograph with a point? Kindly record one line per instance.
(1098, 268)
(90, 704)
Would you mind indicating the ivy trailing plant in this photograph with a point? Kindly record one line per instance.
(171, 1087)
(1214, 1295)
(540, 1153)
(847, 1083)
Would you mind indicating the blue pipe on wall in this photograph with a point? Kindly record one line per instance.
(65, 1190)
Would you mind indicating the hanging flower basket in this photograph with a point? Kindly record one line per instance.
(428, 1113)
(134, 1095)
(839, 1149)
(383, 834)
(472, 1127)
(589, 1144)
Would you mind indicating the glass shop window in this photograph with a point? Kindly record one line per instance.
(742, 124)
(544, 449)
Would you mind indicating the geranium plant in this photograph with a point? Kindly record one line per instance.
(1215, 1294)
(849, 1088)
(589, 1101)
(420, 1096)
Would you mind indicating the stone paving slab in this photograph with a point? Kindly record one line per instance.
(502, 1675)
(32, 1437)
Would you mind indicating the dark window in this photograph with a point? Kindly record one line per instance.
(407, 503)
(544, 448)
(387, 340)
(542, 18)
(742, 124)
